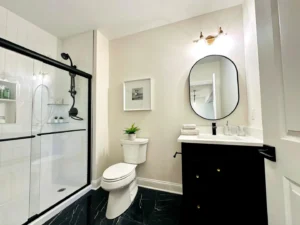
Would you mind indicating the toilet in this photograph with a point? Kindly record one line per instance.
(120, 179)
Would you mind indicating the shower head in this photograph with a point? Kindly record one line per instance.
(73, 112)
(66, 56)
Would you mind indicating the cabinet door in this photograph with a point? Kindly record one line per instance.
(203, 193)
(226, 191)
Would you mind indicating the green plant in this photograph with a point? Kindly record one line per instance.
(131, 130)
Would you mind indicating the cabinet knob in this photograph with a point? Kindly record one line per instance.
(218, 170)
(197, 176)
(198, 206)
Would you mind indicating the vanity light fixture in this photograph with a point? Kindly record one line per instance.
(211, 38)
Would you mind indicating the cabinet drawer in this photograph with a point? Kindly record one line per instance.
(223, 179)
(205, 173)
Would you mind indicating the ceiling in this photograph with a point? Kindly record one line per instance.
(114, 18)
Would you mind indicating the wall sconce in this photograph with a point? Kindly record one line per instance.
(211, 38)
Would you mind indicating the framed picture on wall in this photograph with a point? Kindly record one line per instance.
(137, 95)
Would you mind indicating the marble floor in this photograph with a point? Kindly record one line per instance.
(150, 207)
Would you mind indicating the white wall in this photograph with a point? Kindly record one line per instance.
(81, 49)
(166, 54)
(100, 106)
(252, 66)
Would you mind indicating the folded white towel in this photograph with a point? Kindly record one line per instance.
(189, 126)
(189, 132)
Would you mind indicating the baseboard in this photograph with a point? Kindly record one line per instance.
(149, 183)
(160, 185)
(53, 212)
(96, 184)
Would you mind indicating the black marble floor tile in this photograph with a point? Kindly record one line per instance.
(149, 207)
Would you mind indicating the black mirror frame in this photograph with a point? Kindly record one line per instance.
(238, 87)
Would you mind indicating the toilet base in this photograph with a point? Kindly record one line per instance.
(119, 200)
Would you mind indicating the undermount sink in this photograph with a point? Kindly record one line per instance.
(221, 140)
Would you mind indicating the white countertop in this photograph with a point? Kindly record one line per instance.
(221, 140)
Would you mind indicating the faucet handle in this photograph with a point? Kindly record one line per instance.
(227, 130)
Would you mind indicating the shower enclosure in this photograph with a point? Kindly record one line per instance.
(44, 153)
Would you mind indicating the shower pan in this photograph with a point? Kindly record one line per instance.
(44, 146)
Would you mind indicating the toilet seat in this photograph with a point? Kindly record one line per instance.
(119, 171)
(110, 185)
(117, 179)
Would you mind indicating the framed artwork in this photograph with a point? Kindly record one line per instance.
(137, 95)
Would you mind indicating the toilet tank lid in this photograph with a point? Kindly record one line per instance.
(138, 141)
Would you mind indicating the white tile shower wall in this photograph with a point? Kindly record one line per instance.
(90, 52)
(15, 67)
(15, 160)
(63, 165)
(14, 180)
(62, 161)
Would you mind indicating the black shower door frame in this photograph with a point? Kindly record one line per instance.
(37, 56)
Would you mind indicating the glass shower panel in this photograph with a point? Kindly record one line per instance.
(15, 136)
(61, 143)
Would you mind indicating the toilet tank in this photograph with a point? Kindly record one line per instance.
(135, 152)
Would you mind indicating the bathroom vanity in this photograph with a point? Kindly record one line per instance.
(223, 180)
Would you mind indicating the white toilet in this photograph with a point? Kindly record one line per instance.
(120, 179)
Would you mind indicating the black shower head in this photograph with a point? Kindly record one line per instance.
(66, 56)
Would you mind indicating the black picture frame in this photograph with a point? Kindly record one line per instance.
(238, 87)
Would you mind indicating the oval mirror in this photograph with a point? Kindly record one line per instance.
(214, 87)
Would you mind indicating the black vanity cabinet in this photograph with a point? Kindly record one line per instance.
(223, 184)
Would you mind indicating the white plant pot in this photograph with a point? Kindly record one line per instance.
(131, 137)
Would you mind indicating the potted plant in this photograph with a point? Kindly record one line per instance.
(131, 131)
(55, 119)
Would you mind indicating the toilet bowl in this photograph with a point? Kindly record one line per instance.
(120, 179)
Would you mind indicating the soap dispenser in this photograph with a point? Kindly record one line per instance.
(227, 130)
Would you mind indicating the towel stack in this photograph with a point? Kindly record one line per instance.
(189, 129)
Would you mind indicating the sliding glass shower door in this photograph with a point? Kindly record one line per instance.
(44, 133)
(59, 165)
(15, 136)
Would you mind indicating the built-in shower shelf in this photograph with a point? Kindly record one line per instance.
(7, 100)
(8, 105)
(58, 104)
(58, 123)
